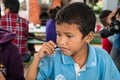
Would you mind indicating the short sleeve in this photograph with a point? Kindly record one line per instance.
(45, 68)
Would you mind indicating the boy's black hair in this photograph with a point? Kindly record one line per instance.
(77, 13)
(104, 13)
(13, 5)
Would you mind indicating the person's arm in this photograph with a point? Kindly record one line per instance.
(33, 68)
(112, 14)
(47, 48)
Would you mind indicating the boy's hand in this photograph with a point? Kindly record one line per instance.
(48, 48)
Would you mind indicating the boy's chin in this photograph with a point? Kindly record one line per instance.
(67, 54)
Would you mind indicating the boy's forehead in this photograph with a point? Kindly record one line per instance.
(67, 27)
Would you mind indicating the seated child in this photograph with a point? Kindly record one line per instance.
(75, 58)
(11, 67)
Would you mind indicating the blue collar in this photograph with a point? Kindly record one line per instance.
(91, 60)
(67, 59)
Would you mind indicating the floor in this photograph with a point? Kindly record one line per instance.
(37, 47)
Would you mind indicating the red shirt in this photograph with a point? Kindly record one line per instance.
(106, 45)
(13, 22)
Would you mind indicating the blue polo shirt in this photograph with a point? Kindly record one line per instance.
(99, 66)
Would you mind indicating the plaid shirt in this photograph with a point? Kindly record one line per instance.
(13, 22)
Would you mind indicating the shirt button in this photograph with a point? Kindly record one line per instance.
(79, 74)
(93, 63)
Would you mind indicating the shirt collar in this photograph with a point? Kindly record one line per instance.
(91, 61)
(67, 59)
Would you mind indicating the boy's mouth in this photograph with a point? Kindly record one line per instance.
(63, 49)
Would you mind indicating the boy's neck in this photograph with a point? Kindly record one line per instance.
(81, 57)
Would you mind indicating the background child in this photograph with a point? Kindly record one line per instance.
(11, 21)
(50, 25)
(75, 24)
(108, 41)
(10, 60)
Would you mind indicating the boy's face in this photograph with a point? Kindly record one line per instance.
(69, 39)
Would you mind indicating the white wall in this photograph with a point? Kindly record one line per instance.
(110, 4)
(76, 1)
(25, 13)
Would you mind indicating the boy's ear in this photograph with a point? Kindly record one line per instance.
(89, 37)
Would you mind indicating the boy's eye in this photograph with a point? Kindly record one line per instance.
(58, 34)
(69, 36)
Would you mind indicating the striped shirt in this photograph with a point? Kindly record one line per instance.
(13, 22)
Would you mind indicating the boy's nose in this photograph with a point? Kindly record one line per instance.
(62, 41)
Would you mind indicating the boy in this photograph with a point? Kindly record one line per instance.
(75, 59)
(11, 67)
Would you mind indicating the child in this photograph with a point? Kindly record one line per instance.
(75, 59)
(106, 42)
(50, 25)
(10, 60)
(11, 21)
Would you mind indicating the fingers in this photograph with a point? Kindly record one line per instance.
(48, 48)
